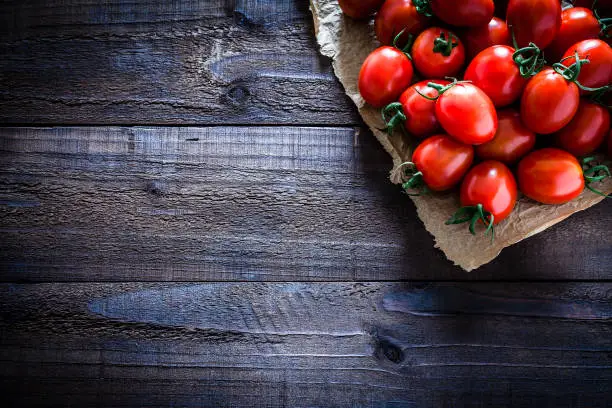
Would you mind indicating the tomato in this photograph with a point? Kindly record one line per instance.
(420, 112)
(478, 38)
(598, 72)
(512, 141)
(467, 114)
(536, 21)
(587, 130)
(359, 9)
(442, 161)
(395, 16)
(577, 24)
(384, 75)
(549, 102)
(463, 13)
(438, 53)
(550, 176)
(495, 72)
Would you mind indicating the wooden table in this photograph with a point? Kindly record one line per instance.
(192, 214)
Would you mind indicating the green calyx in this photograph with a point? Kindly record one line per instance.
(529, 60)
(473, 214)
(593, 173)
(414, 185)
(423, 7)
(440, 88)
(572, 72)
(443, 45)
(393, 115)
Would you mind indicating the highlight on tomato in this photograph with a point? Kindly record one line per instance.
(511, 142)
(481, 37)
(598, 71)
(587, 130)
(438, 53)
(534, 21)
(463, 13)
(360, 9)
(396, 16)
(577, 24)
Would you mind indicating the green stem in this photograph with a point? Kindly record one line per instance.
(473, 214)
(414, 180)
(445, 46)
(440, 88)
(397, 116)
(406, 48)
(572, 72)
(605, 24)
(594, 173)
(529, 60)
(423, 7)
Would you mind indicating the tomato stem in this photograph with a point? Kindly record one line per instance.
(529, 60)
(423, 7)
(473, 214)
(593, 173)
(414, 180)
(406, 48)
(440, 88)
(397, 117)
(605, 24)
(572, 72)
(445, 46)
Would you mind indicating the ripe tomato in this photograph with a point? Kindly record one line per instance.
(536, 21)
(467, 114)
(395, 16)
(420, 112)
(478, 38)
(587, 130)
(438, 53)
(512, 141)
(550, 176)
(577, 24)
(495, 72)
(442, 161)
(549, 102)
(598, 72)
(384, 75)
(359, 9)
(463, 13)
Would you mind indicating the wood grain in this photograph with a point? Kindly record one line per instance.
(299, 345)
(165, 62)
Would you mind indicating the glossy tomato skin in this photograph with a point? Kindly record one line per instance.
(577, 24)
(384, 75)
(420, 112)
(550, 176)
(360, 9)
(463, 13)
(587, 130)
(598, 72)
(549, 102)
(467, 114)
(395, 16)
(493, 70)
(443, 161)
(479, 38)
(536, 21)
(433, 64)
(512, 141)
(491, 184)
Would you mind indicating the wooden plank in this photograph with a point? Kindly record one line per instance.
(165, 62)
(305, 344)
(238, 203)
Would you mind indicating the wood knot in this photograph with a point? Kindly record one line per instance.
(155, 188)
(392, 352)
(238, 94)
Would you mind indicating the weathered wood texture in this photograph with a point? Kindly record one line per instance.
(304, 345)
(238, 203)
(160, 61)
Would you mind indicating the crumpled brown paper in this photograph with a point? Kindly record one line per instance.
(348, 43)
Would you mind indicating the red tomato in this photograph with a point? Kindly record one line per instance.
(463, 13)
(536, 21)
(577, 24)
(495, 72)
(512, 141)
(420, 112)
(438, 53)
(550, 176)
(598, 72)
(587, 130)
(492, 185)
(360, 8)
(384, 75)
(478, 38)
(467, 114)
(443, 161)
(395, 16)
(549, 102)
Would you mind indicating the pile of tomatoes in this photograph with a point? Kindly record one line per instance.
(529, 110)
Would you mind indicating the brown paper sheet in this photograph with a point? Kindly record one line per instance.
(348, 43)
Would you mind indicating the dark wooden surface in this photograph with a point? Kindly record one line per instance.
(219, 231)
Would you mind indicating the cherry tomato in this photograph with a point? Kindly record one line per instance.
(587, 130)
(463, 13)
(420, 112)
(512, 141)
(443, 161)
(549, 102)
(598, 72)
(492, 185)
(550, 176)
(395, 16)
(495, 72)
(577, 24)
(478, 38)
(536, 21)
(384, 75)
(438, 53)
(467, 114)
(360, 9)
